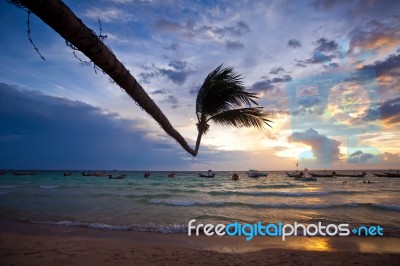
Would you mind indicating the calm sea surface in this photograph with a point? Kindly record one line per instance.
(163, 204)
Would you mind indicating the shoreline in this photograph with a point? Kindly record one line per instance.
(34, 244)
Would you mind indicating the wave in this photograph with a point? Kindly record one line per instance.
(188, 203)
(385, 206)
(282, 193)
(5, 192)
(49, 187)
(7, 186)
(170, 228)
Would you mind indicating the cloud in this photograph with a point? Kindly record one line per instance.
(360, 157)
(268, 84)
(389, 67)
(234, 45)
(276, 70)
(190, 29)
(159, 92)
(375, 36)
(173, 101)
(107, 14)
(388, 111)
(177, 72)
(324, 52)
(324, 149)
(294, 43)
(47, 132)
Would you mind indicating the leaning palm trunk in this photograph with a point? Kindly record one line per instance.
(59, 17)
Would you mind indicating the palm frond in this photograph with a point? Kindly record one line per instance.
(243, 117)
(222, 90)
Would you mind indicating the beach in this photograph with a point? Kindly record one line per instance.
(49, 219)
(33, 244)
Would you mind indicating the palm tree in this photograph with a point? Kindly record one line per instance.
(222, 83)
(221, 99)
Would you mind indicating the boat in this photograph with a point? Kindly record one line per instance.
(323, 175)
(3, 172)
(92, 174)
(310, 178)
(172, 174)
(24, 173)
(147, 174)
(388, 174)
(235, 176)
(210, 174)
(67, 173)
(351, 175)
(255, 174)
(122, 176)
(296, 174)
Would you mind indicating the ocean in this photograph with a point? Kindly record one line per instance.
(166, 205)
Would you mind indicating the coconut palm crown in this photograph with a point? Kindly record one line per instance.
(222, 98)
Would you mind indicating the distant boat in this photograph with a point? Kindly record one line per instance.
(172, 174)
(255, 174)
(389, 174)
(296, 175)
(306, 179)
(67, 173)
(24, 173)
(351, 175)
(210, 174)
(93, 174)
(322, 175)
(147, 174)
(235, 177)
(122, 176)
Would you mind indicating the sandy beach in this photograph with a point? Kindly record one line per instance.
(37, 244)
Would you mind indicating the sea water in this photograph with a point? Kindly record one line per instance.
(163, 204)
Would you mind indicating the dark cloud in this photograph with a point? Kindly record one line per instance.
(307, 105)
(276, 70)
(388, 111)
(177, 72)
(268, 84)
(172, 46)
(159, 92)
(238, 30)
(360, 157)
(234, 45)
(389, 67)
(324, 52)
(294, 43)
(47, 132)
(324, 149)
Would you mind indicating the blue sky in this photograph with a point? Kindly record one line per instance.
(327, 71)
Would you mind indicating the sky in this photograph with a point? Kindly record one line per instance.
(327, 72)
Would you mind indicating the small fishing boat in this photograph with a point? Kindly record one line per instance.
(147, 174)
(67, 173)
(310, 178)
(296, 175)
(122, 176)
(322, 175)
(387, 174)
(172, 174)
(351, 175)
(210, 174)
(255, 174)
(235, 177)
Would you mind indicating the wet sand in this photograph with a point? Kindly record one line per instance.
(38, 244)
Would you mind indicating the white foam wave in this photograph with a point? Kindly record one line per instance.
(7, 186)
(49, 187)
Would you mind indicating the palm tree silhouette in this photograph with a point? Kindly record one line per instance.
(221, 99)
(217, 99)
